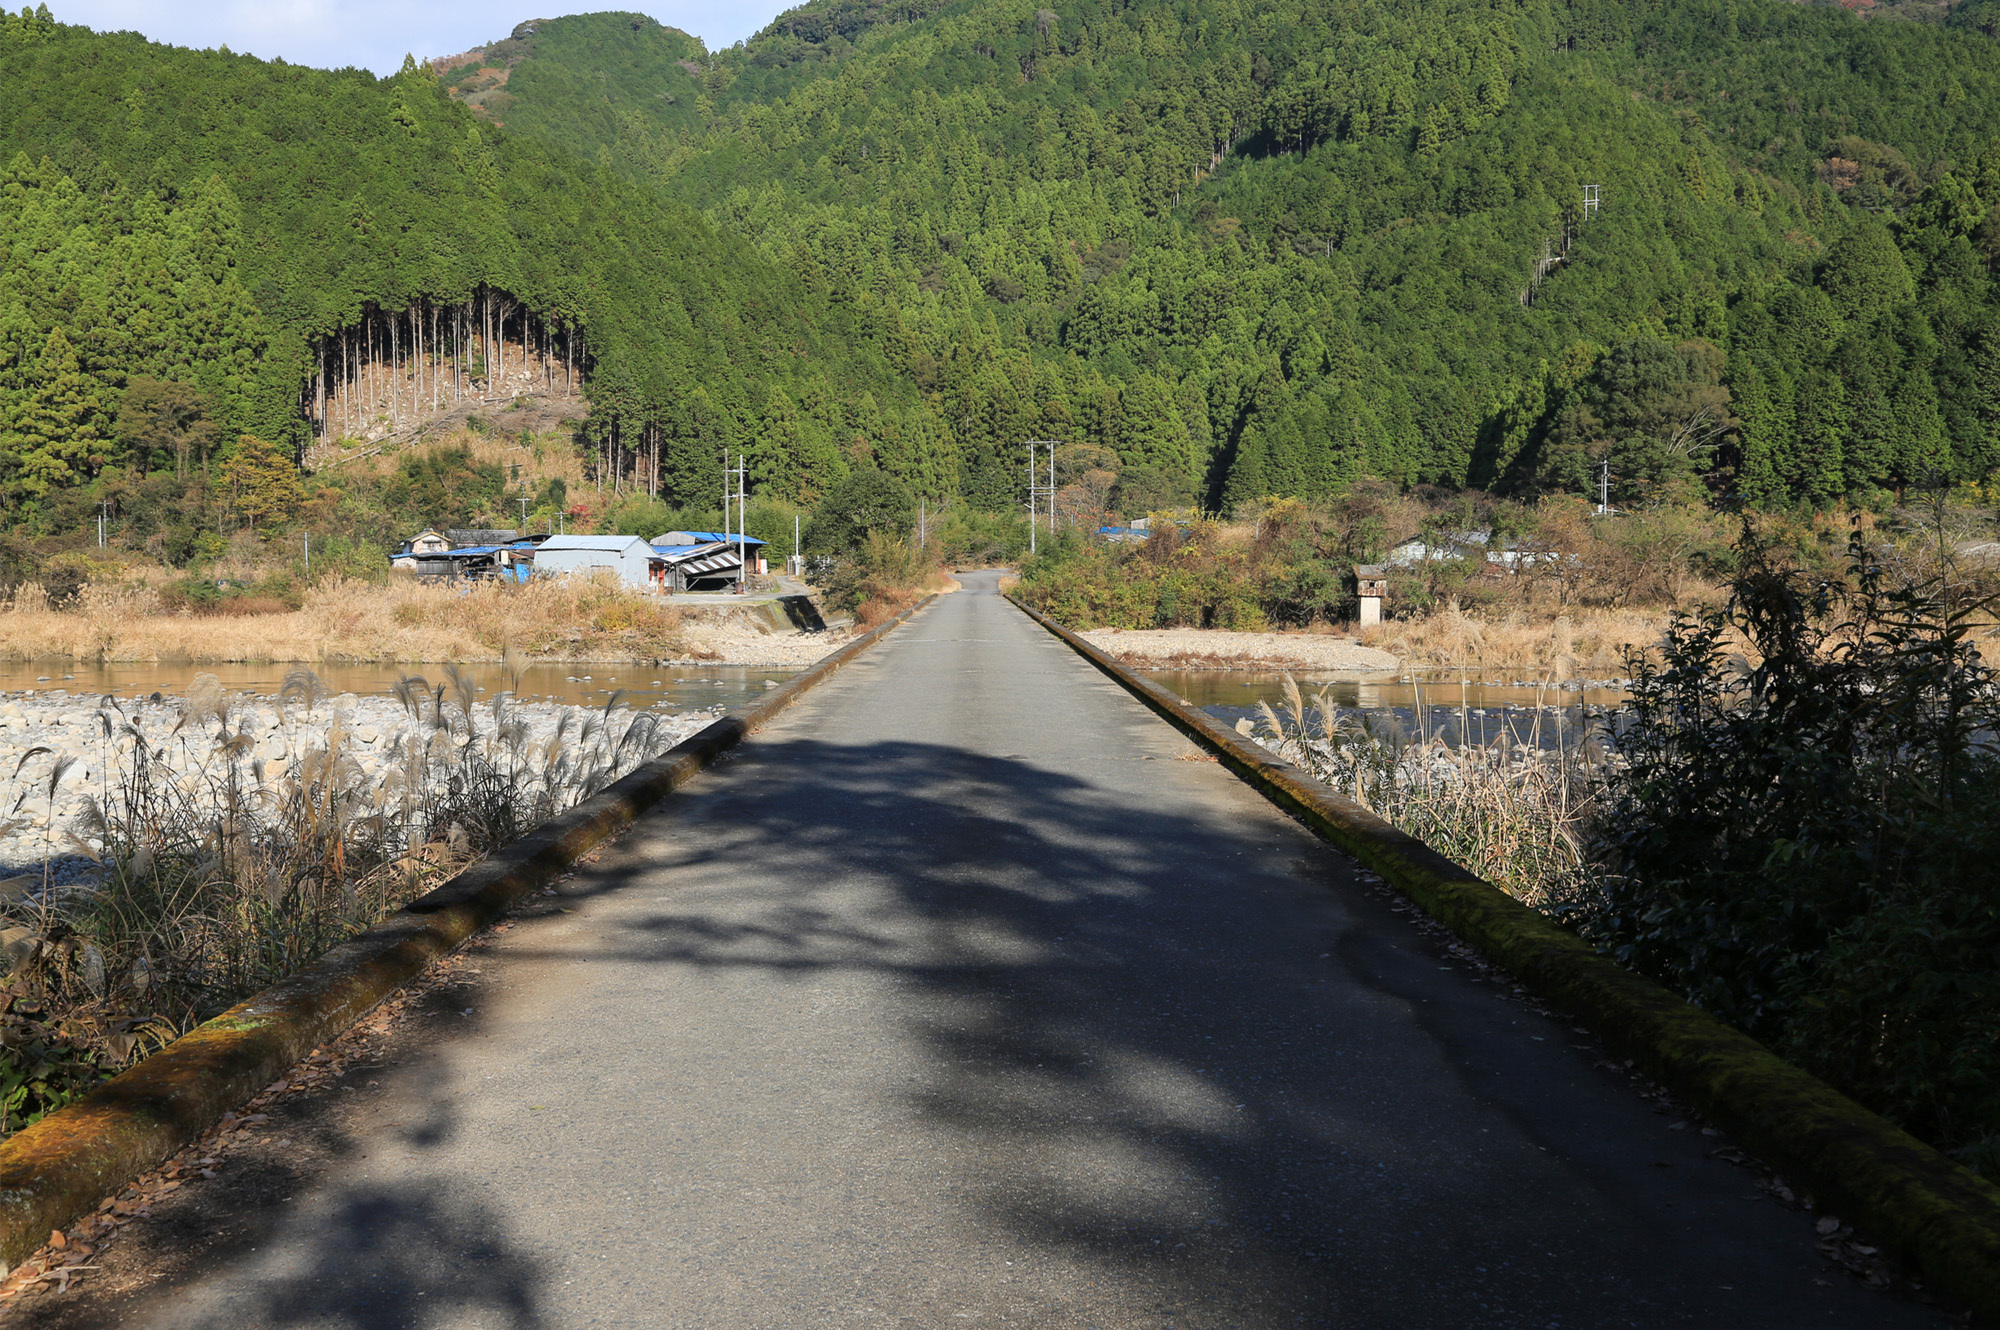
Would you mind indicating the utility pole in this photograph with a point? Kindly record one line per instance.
(1604, 487)
(1052, 491)
(742, 530)
(100, 523)
(1031, 500)
(798, 560)
(1035, 490)
(309, 553)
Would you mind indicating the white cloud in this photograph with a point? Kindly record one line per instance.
(373, 34)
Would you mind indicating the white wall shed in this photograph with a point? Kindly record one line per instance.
(627, 556)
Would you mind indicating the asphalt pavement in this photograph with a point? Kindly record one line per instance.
(970, 993)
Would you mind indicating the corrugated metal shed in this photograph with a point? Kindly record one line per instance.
(627, 556)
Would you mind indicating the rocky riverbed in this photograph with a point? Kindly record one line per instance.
(39, 730)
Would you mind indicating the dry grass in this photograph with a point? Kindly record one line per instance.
(544, 457)
(569, 618)
(1581, 643)
(213, 878)
(1513, 812)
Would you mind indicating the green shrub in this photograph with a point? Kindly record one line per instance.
(1810, 846)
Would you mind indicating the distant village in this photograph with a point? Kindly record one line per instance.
(673, 561)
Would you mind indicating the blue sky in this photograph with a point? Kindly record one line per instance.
(374, 34)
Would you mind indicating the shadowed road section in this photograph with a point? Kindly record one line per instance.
(969, 994)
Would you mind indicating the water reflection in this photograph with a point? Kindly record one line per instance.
(681, 687)
(1452, 709)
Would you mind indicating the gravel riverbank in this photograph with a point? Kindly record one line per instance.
(274, 737)
(1215, 648)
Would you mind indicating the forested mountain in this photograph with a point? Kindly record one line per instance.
(245, 231)
(1265, 247)
(1253, 247)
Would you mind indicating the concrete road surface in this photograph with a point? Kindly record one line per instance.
(970, 994)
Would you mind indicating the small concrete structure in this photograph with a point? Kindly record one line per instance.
(1371, 583)
(629, 557)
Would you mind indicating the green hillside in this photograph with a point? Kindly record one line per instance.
(1267, 247)
(217, 222)
(1254, 248)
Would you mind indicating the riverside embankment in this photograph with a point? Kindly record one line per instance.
(213, 738)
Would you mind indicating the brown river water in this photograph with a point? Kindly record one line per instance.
(1448, 707)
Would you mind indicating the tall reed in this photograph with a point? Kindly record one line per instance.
(1514, 810)
(216, 877)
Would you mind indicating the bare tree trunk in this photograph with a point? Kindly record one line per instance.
(399, 368)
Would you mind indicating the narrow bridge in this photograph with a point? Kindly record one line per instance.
(970, 993)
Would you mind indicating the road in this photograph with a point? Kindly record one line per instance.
(969, 993)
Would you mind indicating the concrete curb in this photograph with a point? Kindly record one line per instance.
(1942, 1219)
(62, 1166)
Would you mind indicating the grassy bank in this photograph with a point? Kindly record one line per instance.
(344, 620)
(1521, 643)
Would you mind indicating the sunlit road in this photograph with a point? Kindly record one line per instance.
(969, 994)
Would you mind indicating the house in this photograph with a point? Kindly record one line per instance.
(1138, 532)
(424, 542)
(464, 537)
(1475, 545)
(475, 561)
(628, 557)
(706, 566)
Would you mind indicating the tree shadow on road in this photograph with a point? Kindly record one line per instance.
(1152, 1039)
(1129, 1038)
(1147, 1040)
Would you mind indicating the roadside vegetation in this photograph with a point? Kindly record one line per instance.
(1796, 827)
(207, 878)
(1481, 582)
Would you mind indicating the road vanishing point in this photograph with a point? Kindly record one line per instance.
(970, 993)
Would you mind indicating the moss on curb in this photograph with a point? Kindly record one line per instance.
(1940, 1218)
(59, 1168)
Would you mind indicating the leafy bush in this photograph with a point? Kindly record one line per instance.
(1805, 839)
(865, 503)
(879, 580)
